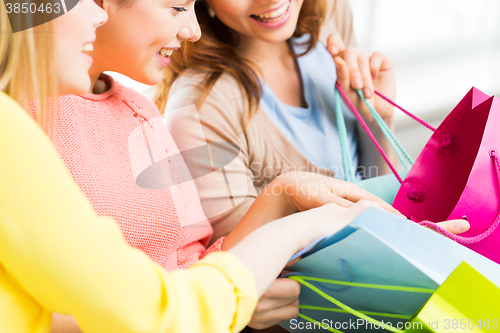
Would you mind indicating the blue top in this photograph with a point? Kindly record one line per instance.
(313, 130)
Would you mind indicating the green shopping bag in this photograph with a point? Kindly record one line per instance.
(466, 301)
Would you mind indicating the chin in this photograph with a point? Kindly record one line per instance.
(153, 78)
(78, 87)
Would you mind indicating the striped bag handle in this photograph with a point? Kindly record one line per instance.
(402, 154)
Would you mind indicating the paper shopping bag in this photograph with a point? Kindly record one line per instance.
(466, 302)
(457, 174)
(379, 268)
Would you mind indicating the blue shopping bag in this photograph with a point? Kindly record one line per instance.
(379, 268)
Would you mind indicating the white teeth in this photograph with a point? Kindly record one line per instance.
(164, 52)
(88, 47)
(274, 14)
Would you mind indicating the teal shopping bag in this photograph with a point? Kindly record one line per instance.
(380, 268)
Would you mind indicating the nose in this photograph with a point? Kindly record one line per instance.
(191, 31)
(100, 15)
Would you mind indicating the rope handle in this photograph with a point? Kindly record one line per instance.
(393, 141)
(349, 175)
(407, 112)
(368, 131)
(343, 308)
(475, 239)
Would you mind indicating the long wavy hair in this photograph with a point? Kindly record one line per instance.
(215, 53)
(27, 63)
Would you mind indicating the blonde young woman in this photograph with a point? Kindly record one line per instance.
(123, 158)
(56, 255)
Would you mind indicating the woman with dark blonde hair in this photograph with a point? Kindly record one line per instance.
(57, 255)
(262, 79)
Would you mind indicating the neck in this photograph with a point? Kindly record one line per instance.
(261, 52)
(97, 87)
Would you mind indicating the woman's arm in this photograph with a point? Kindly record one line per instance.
(63, 258)
(296, 192)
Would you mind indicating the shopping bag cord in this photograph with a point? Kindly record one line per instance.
(475, 239)
(347, 309)
(407, 112)
(368, 131)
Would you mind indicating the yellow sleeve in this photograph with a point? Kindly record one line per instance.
(60, 256)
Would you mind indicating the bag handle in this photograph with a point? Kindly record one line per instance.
(476, 239)
(343, 308)
(367, 130)
(393, 141)
(407, 112)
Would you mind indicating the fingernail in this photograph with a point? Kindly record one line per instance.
(337, 66)
(463, 226)
(334, 49)
(358, 84)
(367, 92)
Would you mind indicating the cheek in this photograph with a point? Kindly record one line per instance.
(230, 8)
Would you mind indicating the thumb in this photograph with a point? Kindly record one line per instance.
(455, 226)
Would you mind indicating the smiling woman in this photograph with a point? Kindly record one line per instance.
(140, 35)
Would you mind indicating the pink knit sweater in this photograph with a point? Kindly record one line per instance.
(117, 149)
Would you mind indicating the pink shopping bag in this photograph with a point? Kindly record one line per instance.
(457, 174)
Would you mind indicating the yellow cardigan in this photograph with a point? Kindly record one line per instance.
(56, 255)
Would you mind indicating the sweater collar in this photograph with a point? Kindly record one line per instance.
(101, 97)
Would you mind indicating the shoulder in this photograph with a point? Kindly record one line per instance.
(187, 89)
(338, 20)
(137, 101)
(227, 97)
(10, 110)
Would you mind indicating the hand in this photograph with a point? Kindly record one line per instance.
(279, 302)
(304, 190)
(356, 70)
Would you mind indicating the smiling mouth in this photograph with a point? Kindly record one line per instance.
(164, 52)
(274, 16)
(88, 47)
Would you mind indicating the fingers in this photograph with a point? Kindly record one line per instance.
(343, 77)
(353, 193)
(366, 74)
(351, 56)
(282, 292)
(278, 303)
(455, 226)
(335, 44)
(286, 312)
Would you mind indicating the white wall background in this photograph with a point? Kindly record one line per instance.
(440, 49)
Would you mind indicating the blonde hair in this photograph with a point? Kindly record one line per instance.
(27, 65)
